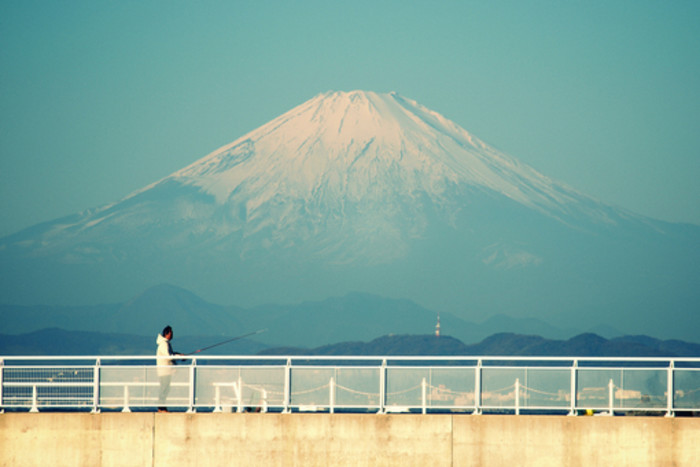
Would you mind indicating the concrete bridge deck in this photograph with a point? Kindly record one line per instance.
(177, 439)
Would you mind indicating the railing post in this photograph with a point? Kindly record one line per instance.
(126, 408)
(217, 399)
(264, 401)
(287, 386)
(35, 400)
(382, 387)
(239, 393)
(96, 387)
(611, 395)
(236, 394)
(477, 388)
(517, 396)
(2, 372)
(192, 386)
(670, 389)
(331, 396)
(423, 390)
(574, 393)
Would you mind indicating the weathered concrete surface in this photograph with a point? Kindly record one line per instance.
(145, 439)
(110, 439)
(575, 441)
(303, 439)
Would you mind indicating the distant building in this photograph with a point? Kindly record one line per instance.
(437, 326)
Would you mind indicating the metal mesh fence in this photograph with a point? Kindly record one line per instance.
(47, 386)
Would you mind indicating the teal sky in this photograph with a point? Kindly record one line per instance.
(100, 98)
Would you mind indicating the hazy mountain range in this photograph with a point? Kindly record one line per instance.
(362, 192)
(359, 324)
(353, 317)
(504, 344)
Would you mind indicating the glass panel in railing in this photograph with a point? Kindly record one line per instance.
(498, 386)
(451, 388)
(593, 388)
(216, 386)
(686, 389)
(642, 390)
(128, 386)
(404, 387)
(262, 387)
(544, 388)
(311, 387)
(144, 386)
(357, 387)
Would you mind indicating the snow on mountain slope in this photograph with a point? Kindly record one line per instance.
(341, 144)
(342, 167)
(358, 174)
(347, 176)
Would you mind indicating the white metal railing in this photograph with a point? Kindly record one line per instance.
(368, 384)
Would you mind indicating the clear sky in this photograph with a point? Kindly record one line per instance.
(100, 98)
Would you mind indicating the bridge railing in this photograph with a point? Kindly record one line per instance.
(363, 384)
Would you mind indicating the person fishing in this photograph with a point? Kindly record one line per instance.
(166, 362)
(165, 368)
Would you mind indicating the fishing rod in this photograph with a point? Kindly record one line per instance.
(228, 340)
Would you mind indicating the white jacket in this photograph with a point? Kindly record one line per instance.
(164, 361)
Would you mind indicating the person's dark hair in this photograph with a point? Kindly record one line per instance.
(166, 330)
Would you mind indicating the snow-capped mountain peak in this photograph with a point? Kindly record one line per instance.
(367, 148)
(362, 191)
(338, 168)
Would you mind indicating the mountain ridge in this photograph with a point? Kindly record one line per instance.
(502, 344)
(56, 341)
(355, 315)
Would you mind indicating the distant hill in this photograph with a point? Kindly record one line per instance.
(504, 344)
(56, 341)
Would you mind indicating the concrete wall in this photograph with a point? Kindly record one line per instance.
(175, 439)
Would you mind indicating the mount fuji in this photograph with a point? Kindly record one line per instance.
(360, 191)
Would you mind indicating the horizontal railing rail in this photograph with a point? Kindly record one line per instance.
(382, 384)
